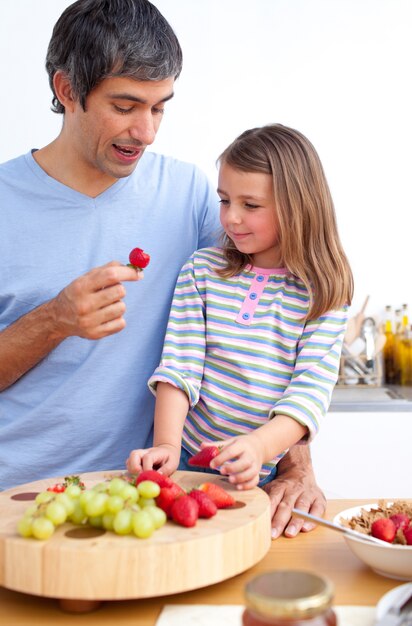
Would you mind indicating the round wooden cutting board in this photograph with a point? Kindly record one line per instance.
(84, 563)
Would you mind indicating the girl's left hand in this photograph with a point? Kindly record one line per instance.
(240, 460)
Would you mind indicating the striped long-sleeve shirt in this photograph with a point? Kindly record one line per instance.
(242, 352)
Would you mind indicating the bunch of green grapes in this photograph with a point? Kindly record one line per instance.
(115, 505)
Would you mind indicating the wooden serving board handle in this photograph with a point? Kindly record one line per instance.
(103, 566)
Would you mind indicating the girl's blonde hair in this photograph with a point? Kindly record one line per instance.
(309, 242)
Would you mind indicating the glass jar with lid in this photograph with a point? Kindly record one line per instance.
(289, 598)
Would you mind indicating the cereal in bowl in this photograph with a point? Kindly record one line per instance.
(389, 521)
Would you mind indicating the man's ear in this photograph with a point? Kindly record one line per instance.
(63, 90)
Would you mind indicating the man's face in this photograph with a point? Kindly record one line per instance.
(121, 119)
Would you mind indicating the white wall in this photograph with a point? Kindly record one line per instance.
(338, 70)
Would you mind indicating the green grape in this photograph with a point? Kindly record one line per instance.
(114, 504)
(56, 513)
(116, 485)
(129, 493)
(122, 523)
(144, 502)
(159, 517)
(44, 496)
(73, 491)
(101, 487)
(85, 496)
(97, 504)
(148, 489)
(42, 528)
(78, 516)
(143, 524)
(66, 501)
(107, 521)
(25, 525)
(31, 510)
(96, 521)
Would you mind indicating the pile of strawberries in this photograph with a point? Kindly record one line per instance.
(183, 507)
(387, 528)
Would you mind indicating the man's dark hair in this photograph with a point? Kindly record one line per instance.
(96, 39)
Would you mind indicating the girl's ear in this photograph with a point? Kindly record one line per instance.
(63, 90)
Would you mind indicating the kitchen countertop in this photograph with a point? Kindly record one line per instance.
(322, 551)
(368, 398)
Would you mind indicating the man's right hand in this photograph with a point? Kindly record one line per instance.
(92, 305)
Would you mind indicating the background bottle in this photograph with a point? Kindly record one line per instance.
(389, 348)
(406, 357)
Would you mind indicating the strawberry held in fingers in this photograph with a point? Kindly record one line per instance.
(138, 259)
(204, 456)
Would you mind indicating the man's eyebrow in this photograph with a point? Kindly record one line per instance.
(131, 98)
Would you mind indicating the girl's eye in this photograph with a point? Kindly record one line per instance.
(251, 206)
(223, 201)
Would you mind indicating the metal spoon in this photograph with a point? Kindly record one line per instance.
(341, 529)
(368, 332)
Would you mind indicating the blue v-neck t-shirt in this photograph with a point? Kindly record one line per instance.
(87, 404)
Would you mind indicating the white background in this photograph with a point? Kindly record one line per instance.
(338, 70)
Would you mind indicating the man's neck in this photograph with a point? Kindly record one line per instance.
(66, 168)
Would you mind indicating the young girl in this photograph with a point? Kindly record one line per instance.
(254, 338)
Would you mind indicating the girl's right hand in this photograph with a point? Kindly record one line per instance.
(164, 458)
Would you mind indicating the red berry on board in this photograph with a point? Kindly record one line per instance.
(220, 497)
(207, 508)
(57, 488)
(384, 529)
(204, 456)
(185, 511)
(157, 477)
(167, 496)
(139, 259)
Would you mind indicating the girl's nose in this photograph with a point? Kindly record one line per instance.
(233, 215)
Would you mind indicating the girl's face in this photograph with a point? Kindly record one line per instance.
(248, 214)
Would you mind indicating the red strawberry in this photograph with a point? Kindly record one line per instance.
(401, 520)
(68, 480)
(220, 497)
(384, 529)
(207, 508)
(167, 496)
(185, 511)
(139, 259)
(154, 476)
(57, 488)
(408, 535)
(204, 456)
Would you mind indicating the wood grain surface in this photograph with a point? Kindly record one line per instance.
(112, 567)
(322, 551)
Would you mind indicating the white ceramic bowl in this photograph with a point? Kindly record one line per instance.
(392, 561)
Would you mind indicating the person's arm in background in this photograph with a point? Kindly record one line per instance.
(295, 486)
(91, 307)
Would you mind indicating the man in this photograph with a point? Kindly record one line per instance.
(73, 377)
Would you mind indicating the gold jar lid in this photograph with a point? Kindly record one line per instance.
(289, 594)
